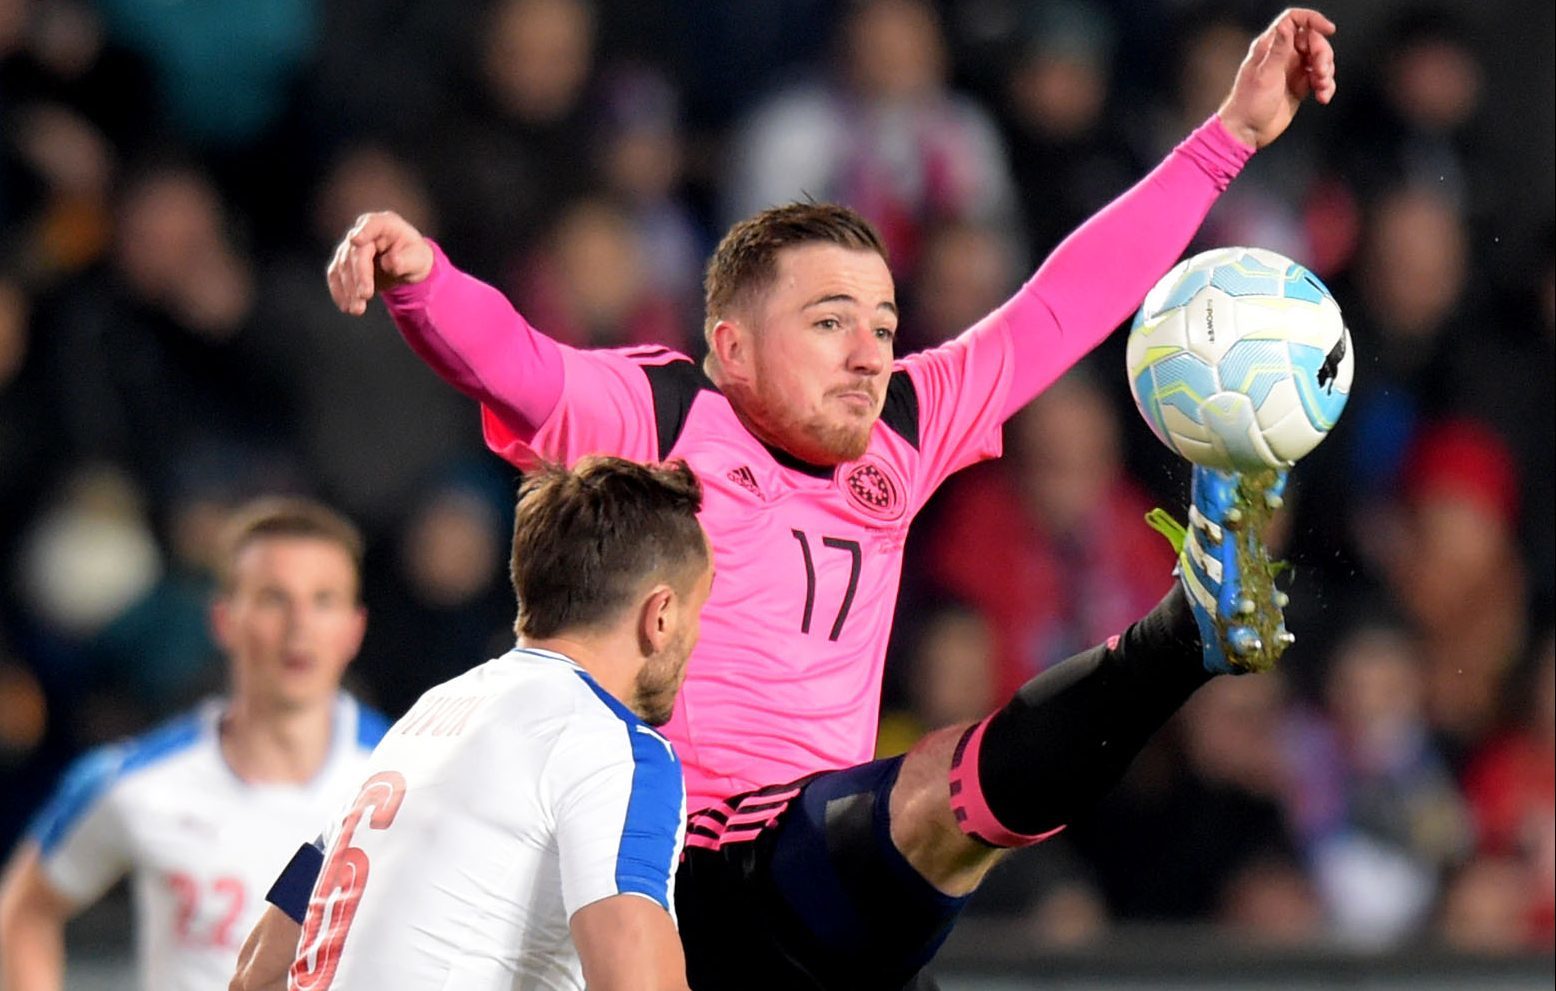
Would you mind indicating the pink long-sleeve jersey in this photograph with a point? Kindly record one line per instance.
(786, 679)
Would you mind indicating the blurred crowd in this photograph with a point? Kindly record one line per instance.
(172, 176)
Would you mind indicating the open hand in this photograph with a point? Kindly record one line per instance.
(1289, 60)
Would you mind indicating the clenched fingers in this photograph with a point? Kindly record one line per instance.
(350, 274)
(1312, 31)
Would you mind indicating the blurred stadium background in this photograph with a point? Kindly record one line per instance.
(1379, 814)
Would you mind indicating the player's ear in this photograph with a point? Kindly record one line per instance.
(656, 619)
(731, 343)
(359, 630)
(220, 620)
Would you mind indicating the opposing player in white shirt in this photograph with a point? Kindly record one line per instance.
(520, 827)
(203, 811)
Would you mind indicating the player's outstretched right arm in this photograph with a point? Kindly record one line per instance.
(32, 926)
(628, 943)
(463, 328)
(381, 251)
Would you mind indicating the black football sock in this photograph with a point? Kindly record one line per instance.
(1068, 735)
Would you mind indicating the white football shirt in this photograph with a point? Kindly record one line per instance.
(201, 846)
(507, 799)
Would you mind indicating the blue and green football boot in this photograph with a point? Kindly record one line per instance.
(1226, 570)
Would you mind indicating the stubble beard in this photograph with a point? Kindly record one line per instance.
(813, 439)
(654, 706)
(657, 683)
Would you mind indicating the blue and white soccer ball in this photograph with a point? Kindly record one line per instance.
(1239, 359)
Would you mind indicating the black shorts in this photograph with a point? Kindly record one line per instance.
(799, 887)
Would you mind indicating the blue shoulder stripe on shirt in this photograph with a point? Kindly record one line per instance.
(371, 726)
(645, 858)
(89, 778)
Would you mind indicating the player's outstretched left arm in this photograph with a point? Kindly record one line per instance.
(1289, 61)
(1097, 277)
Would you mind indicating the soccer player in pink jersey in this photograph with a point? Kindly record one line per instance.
(807, 866)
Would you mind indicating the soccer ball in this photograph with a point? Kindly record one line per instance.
(1239, 360)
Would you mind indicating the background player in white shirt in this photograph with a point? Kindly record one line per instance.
(203, 811)
(520, 827)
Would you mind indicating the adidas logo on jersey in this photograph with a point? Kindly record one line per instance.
(744, 478)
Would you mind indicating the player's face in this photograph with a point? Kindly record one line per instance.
(822, 353)
(660, 677)
(291, 622)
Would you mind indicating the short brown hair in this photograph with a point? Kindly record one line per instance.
(286, 516)
(746, 260)
(587, 538)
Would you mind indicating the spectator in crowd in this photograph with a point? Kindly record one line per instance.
(1500, 375)
(513, 147)
(1066, 151)
(225, 82)
(24, 725)
(73, 107)
(154, 354)
(1272, 903)
(1375, 804)
(157, 653)
(1422, 119)
(1453, 566)
(224, 76)
(439, 589)
(85, 559)
(388, 71)
(323, 356)
(26, 422)
(884, 135)
(727, 57)
(642, 153)
(1484, 909)
(948, 677)
(964, 271)
(1511, 786)
(1405, 303)
(561, 289)
(1209, 796)
(1050, 543)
